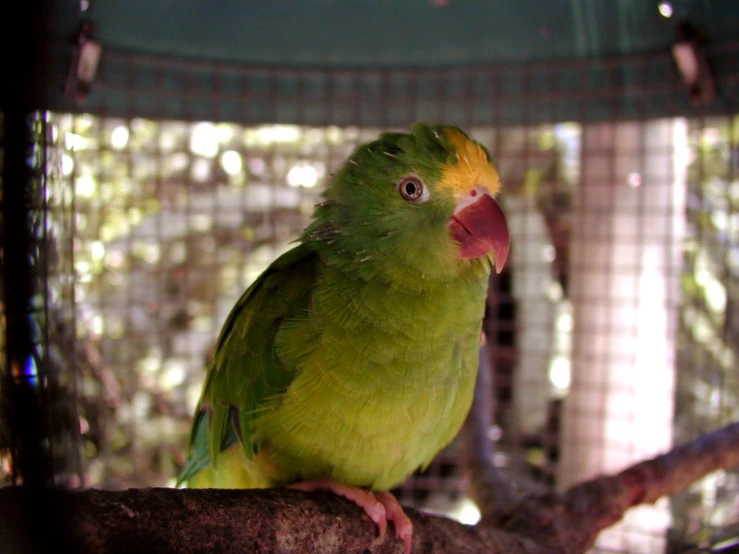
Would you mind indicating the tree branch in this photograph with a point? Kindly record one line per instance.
(601, 502)
(168, 520)
(571, 521)
(488, 487)
(289, 521)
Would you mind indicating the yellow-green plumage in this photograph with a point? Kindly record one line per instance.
(353, 357)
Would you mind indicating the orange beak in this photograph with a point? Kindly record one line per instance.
(479, 226)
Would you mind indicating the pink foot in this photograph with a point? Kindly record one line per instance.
(401, 522)
(380, 507)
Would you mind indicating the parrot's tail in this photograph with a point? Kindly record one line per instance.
(234, 470)
(199, 457)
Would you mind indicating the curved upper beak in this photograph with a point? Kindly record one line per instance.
(479, 226)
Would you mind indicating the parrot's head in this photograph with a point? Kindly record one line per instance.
(423, 201)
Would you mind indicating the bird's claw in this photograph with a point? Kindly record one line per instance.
(381, 507)
(401, 522)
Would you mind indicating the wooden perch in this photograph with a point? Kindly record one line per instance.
(569, 523)
(281, 521)
(289, 521)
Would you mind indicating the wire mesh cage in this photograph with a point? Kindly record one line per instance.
(611, 333)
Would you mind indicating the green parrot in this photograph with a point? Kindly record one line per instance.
(351, 361)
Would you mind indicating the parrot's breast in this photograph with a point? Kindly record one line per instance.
(384, 385)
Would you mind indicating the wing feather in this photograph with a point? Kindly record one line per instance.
(245, 374)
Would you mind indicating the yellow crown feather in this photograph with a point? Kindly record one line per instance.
(471, 168)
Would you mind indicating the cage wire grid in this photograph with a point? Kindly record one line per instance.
(156, 212)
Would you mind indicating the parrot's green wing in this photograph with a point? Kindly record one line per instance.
(245, 372)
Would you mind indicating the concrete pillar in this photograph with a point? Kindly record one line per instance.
(625, 267)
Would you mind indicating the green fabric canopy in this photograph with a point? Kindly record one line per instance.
(387, 62)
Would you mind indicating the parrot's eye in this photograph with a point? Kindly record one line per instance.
(411, 188)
